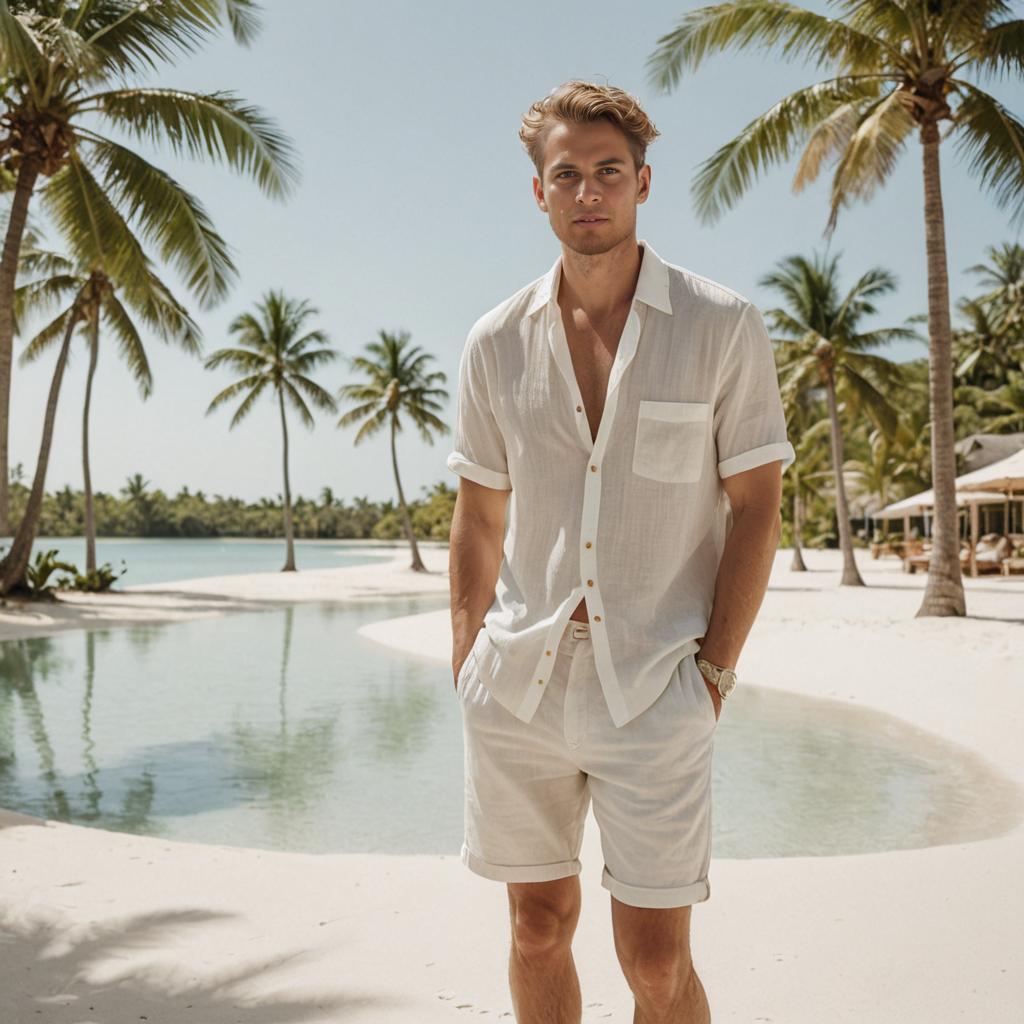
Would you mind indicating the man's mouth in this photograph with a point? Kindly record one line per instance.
(590, 220)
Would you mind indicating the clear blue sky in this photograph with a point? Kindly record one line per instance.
(415, 212)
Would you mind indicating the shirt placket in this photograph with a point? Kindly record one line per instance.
(589, 585)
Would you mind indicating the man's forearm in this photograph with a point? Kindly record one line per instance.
(474, 561)
(740, 584)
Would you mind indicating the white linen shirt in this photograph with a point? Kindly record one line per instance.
(634, 521)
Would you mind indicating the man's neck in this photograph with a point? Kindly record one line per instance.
(602, 284)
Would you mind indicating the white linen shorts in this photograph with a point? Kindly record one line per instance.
(528, 785)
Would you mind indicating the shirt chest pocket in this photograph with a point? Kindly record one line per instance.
(670, 440)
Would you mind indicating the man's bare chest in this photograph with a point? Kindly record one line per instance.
(592, 349)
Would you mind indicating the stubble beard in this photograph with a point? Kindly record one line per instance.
(601, 241)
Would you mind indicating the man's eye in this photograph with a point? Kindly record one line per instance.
(614, 170)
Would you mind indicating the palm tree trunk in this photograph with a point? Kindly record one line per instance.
(944, 591)
(27, 174)
(90, 523)
(851, 574)
(14, 565)
(797, 564)
(289, 563)
(417, 562)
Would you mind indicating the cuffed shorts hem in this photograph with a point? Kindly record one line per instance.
(639, 896)
(519, 873)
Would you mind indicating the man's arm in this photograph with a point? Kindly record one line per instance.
(474, 561)
(755, 495)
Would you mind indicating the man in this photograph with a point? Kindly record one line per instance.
(620, 440)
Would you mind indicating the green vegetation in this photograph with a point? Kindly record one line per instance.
(142, 511)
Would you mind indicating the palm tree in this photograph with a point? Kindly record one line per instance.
(1002, 407)
(800, 485)
(883, 470)
(1006, 276)
(14, 564)
(156, 308)
(899, 67)
(984, 351)
(397, 382)
(992, 344)
(274, 354)
(828, 352)
(135, 491)
(62, 65)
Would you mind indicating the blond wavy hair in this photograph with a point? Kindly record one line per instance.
(581, 102)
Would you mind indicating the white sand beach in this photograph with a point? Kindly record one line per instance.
(100, 926)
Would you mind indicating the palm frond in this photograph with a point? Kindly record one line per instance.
(871, 154)
(95, 232)
(741, 23)
(771, 138)
(237, 358)
(999, 51)
(37, 296)
(295, 400)
(20, 53)
(43, 339)
(155, 305)
(994, 140)
(320, 397)
(785, 323)
(304, 362)
(134, 36)
(370, 426)
(243, 19)
(36, 262)
(875, 281)
(882, 336)
(219, 124)
(170, 216)
(258, 385)
(129, 343)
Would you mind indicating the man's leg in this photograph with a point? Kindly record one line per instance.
(653, 946)
(541, 970)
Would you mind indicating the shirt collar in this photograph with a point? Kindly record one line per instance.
(651, 284)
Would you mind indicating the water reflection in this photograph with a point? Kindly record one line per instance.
(285, 729)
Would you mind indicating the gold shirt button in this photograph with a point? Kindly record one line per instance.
(597, 618)
(579, 408)
(590, 583)
(593, 468)
(588, 544)
(540, 680)
(548, 653)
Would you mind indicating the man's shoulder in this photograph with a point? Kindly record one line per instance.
(508, 315)
(703, 295)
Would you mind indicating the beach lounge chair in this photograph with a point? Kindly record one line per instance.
(992, 549)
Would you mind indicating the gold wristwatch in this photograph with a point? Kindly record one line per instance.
(723, 678)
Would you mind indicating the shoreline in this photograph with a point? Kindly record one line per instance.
(134, 925)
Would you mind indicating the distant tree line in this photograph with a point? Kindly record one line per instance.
(138, 511)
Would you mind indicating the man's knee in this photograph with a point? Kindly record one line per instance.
(544, 915)
(659, 970)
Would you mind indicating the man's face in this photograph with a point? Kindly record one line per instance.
(590, 188)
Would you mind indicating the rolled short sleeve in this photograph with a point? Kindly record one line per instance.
(749, 421)
(479, 447)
